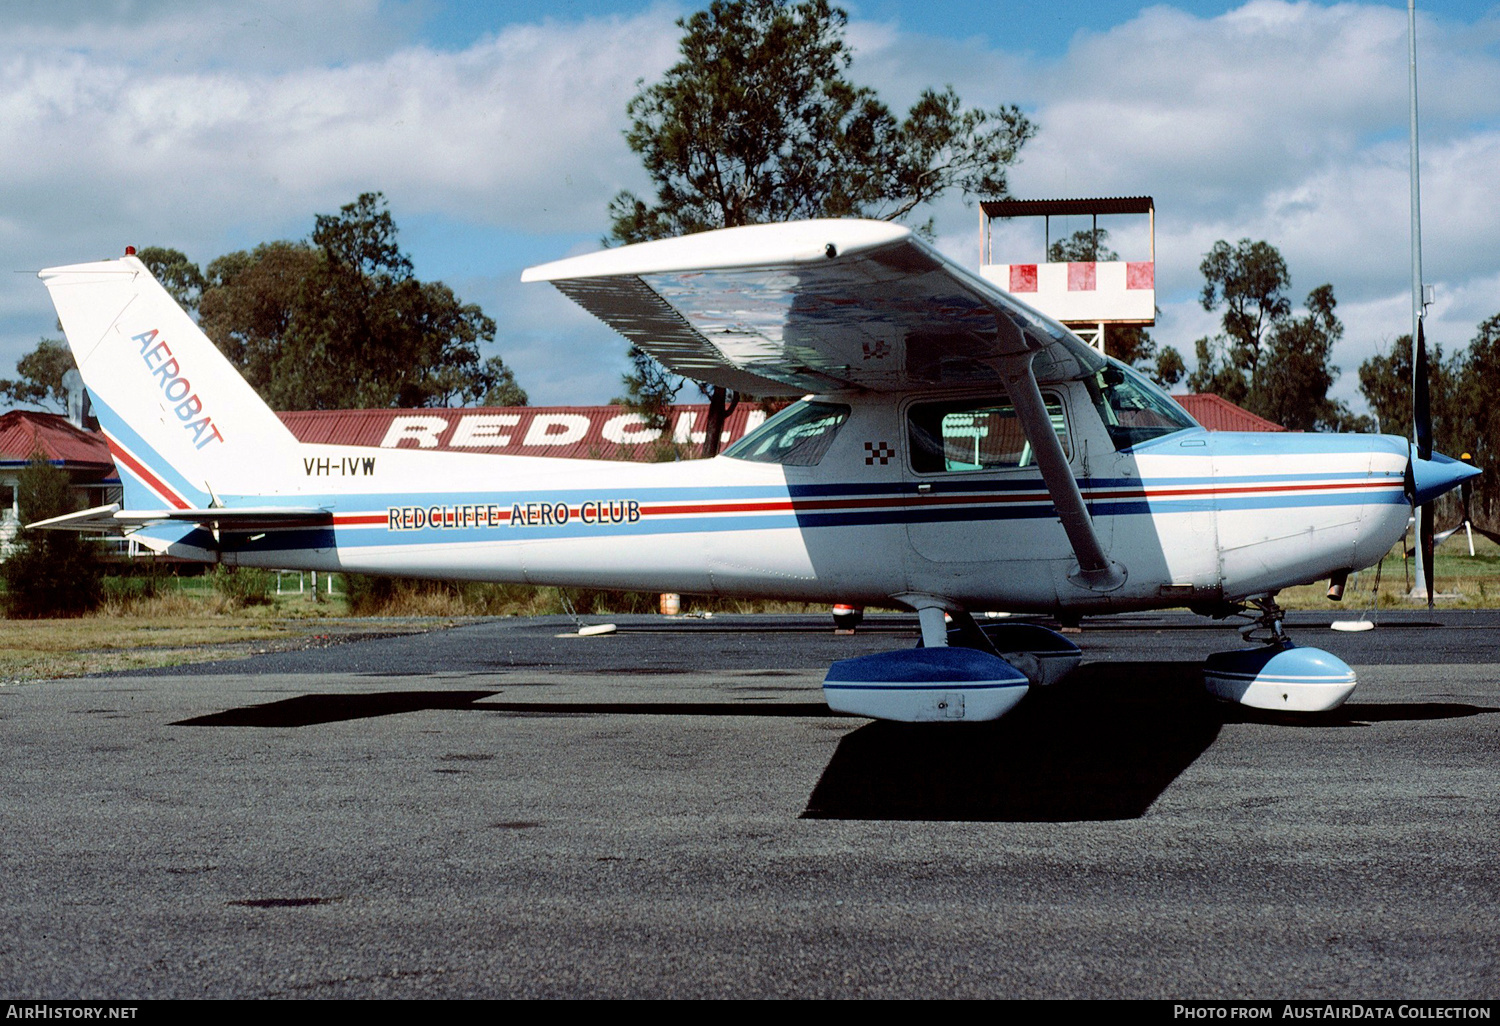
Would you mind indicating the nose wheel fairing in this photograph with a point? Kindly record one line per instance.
(1278, 675)
(1281, 677)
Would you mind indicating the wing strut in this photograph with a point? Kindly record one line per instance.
(1095, 570)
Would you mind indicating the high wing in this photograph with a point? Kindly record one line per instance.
(836, 305)
(112, 519)
(815, 306)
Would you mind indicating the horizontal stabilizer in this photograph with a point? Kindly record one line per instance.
(113, 520)
(98, 520)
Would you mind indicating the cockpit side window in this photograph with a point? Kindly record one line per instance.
(966, 435)
(798, 436)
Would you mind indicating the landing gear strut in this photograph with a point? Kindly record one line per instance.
(1268, 627)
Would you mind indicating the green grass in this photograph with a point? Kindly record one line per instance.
(1460, 581)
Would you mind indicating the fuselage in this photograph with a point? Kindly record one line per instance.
(1193, 517)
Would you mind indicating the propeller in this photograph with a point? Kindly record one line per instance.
(1430, 474)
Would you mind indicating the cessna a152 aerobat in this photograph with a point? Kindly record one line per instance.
(957, 451)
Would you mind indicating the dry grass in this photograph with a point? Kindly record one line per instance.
(170, 629)
(188, 622)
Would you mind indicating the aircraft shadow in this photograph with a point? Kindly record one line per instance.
(307, 710)
(775, 709)
(1359, 714)
(1101, 746)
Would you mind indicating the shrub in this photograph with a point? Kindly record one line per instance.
(243, 585)
(50, 573)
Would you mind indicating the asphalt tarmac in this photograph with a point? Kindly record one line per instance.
(671, 811)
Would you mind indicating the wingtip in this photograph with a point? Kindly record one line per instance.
(747, 246)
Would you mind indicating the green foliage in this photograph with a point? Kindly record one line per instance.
(40, 377)
(1086, 244)
(1465, 417)
(499, 382)
(1250, 281)
(1169, 367)
(1272, 363)
(1477, 427)
(757, 123)
(389, 596)
(1217, 372)
(50, 573)
(177, 274)
(1296, 375)
(243, 585)
(340, 322)
(128, 589)
(136, 581)
(650, 389)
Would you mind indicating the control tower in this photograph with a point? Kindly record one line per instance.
(1084, 295)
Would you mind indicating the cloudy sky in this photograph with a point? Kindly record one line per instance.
(495, 133)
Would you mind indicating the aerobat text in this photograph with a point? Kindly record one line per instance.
(176, 388)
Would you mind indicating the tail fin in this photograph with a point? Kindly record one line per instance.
(182, 424)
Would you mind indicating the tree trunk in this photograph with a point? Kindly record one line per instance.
(719, 409)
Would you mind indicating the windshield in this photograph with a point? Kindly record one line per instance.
(1133, 408)
(798, 436)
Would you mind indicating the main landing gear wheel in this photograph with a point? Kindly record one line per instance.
(962, 673)
(1278, 675)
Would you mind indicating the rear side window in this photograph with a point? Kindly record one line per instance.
(975, 434)
(798, 436)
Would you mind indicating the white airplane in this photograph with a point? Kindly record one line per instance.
(959, 451)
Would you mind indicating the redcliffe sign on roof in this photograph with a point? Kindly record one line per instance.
(580, 432)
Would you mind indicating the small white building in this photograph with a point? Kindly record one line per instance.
(1084, 295)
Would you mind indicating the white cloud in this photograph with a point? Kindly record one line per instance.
(269, 35)
(100, 147)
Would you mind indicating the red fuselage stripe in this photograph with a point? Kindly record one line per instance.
(902, 501)
(153, 482)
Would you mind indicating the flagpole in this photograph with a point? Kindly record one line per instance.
(1419, 588)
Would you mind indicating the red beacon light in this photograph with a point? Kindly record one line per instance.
(130, 251)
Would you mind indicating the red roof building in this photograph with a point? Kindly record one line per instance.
(570, 432)
(83, 454)
(24, 432)
(1219, 414)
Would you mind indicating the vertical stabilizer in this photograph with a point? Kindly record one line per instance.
(182, 424)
